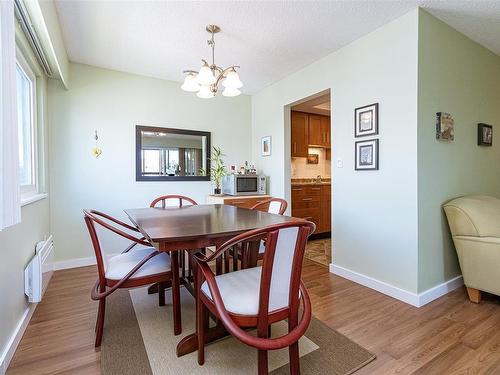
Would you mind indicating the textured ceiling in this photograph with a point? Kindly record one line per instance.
(268, 39)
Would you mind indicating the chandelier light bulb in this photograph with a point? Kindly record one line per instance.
(230, 91)
(190, 83)
(205, 93)
(232, 80)
(206, 76)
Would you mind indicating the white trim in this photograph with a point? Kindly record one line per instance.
(417, 300)
(33, 198)
(15, 339)
(440, 290)
(78, 262)
(74, 263)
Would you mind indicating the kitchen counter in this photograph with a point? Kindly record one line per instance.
(310, 181)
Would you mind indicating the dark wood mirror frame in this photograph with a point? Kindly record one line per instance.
(138, 159)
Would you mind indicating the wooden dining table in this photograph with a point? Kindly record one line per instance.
(174, 229)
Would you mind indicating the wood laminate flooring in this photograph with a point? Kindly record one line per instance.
(448, 336)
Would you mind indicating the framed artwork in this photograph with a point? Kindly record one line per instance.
(266, 146)
(445, 127)
(312, 159)
(366, 120)
(366, 157)
(484, 135)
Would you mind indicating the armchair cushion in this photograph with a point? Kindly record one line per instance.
(240, 292)
(475, 215)
(119, 265)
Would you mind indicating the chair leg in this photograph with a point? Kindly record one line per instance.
(474, 295)
(293, 353)
(262, 362)
(176, 293)
(161, 294)
(100, 322)
(201, 320)
(235, 258)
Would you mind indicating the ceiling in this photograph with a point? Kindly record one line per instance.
(319, 105)
(269, 39)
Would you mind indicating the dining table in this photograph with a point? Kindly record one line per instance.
(191, 228)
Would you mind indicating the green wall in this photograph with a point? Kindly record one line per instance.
(458, 76)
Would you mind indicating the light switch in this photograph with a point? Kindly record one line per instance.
(340, 163)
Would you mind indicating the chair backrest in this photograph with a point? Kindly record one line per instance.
(275, 206)
(93, 217)
(173, 201)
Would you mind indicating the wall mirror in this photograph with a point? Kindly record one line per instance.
(166, 154)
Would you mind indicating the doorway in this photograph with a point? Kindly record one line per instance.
(311, 171)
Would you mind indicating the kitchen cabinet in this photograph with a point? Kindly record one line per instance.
(309, 130)
(315, 130)
(312, 202)
(299, 134)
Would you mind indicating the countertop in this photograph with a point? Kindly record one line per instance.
(312, 181)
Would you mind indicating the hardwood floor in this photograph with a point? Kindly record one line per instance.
(448, 336)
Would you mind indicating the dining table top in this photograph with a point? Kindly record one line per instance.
(192, 222)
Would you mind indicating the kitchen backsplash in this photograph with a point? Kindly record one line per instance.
(300, 168)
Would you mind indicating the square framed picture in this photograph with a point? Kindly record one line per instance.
(366, 120)
(266, 146)
(445, 127)
(312, 159)
(366, 157)
(484, 135)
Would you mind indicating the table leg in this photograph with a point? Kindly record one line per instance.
(176, 297)
(189, 343)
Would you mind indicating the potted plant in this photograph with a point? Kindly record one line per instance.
(217, 169)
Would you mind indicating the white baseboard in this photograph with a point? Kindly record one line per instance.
(74, 263)
(411, 298)
(10, 348)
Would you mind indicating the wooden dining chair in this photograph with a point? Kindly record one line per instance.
(173, 201)
(259, 296)
(273, 206)
(138, 265)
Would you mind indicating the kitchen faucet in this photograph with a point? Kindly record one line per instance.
(318, 179)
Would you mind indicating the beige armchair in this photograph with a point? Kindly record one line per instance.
(475, 226)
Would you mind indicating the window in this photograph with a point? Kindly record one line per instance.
(26, 120)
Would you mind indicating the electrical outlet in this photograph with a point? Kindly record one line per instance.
(340, 163)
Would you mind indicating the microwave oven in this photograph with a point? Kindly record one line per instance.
(244, 184)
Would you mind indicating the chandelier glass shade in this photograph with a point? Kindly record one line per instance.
(207, 80)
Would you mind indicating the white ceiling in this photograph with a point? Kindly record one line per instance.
(269, 39)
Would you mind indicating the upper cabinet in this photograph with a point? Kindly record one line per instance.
(300, 130)
(309, 130)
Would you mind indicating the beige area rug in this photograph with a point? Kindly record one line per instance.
(138, 339)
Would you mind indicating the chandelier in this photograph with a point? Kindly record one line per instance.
(206, 82)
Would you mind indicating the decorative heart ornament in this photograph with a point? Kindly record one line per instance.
(96, 151)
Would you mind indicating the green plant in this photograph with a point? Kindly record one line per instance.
(217, 168)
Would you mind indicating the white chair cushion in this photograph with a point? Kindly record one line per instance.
(240, 292)
(120, 265)
(262, 247)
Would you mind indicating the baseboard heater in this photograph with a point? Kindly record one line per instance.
(39, 270)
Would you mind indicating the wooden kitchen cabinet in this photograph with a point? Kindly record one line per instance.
(312, 202)
(299, 134)
(315, 130)
(244, 201)
(325, 131)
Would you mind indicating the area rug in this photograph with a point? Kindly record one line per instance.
(138, 339)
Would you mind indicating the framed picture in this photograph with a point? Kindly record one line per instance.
(366, 120)
(484, 135)
(266, 146)
(445, 127)
(312, 159)
(366, 157)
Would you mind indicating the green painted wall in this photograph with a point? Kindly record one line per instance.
(458, 76)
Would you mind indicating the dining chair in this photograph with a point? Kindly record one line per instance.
(173, 200)
(273, 206)
(260, 296)
(138, 265)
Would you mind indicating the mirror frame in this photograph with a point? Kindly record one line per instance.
(138, 148)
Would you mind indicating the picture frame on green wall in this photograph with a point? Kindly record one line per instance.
(445, 127)
(484, 135)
